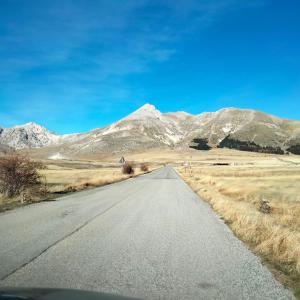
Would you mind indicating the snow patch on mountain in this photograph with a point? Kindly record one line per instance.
(227, 128)
(57, 156)
(115, 128)
(144, 112)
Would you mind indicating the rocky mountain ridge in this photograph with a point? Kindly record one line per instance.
(30, 135)
(147, 127)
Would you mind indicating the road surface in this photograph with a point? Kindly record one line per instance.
(147, 237)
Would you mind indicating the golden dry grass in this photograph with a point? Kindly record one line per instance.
(235, 192)
(63, 177)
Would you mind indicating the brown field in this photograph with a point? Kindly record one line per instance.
(236, 192)
(66, 176)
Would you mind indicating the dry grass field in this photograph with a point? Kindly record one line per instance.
(258, 196)
(66, 176)
(64, 179)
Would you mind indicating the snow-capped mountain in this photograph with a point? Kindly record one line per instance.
(150, 124)
(29, 135)
(147, 111)
(144, 128)
(246, 129)
(148, 128)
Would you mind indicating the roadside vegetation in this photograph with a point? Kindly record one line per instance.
(24, 181)
(144, 167)
(261, 204)
(20, 178)
(128, 168)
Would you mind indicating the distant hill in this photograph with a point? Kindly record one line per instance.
(147, 127)
(30, 135)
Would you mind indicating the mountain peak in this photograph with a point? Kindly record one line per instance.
(29, 125)
(147, 106)
(145, 111)
(29, 135)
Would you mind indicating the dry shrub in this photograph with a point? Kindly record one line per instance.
(17, 174)
(144, 167)
(271, 231)
(264, 207)
(128, 168)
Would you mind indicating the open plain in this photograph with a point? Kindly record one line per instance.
(257, 195)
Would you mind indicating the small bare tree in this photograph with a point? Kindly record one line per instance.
(17, 174)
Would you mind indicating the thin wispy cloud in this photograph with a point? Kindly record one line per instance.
(88, 53)
(93, 32)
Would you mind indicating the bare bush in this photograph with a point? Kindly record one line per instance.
(144, 167)
(128, 168)
(17, 174)
(264, 207)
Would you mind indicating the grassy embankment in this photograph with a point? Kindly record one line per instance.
(236, 192)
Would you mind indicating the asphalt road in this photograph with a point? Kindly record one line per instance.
(147, 237)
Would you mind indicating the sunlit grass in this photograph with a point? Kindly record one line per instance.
(235, 193)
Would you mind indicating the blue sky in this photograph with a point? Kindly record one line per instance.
(76, 65)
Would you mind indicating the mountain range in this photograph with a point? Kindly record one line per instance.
(147, 127)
